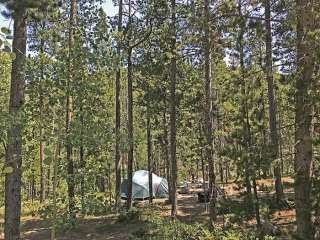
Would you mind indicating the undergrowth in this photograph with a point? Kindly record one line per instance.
(158, 228)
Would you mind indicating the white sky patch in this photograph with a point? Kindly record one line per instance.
(108, 7)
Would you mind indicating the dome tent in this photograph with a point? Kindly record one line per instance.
(140, 186)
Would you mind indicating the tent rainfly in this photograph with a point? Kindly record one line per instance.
(140, 186)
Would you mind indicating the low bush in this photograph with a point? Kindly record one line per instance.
(134, 214)
(168, 229)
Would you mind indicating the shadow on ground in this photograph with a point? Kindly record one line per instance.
(104, 228)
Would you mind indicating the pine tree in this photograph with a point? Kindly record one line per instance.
(208, 102)
(118, 110)
(303, 116)
(69, 109)
(14, 148)
(173, 128)
(272, 102)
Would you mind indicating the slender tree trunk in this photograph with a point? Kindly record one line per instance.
(303, 117)
(202, 158)
(209, 114)
(197, 171)
(54, 191)
(173, 128)
(109, 183)
(272, 102)
(221, 172)
(41, 148)
(166, 152)
(130, 130)
(227, 173)
(150, 160)
(14, 149)
(280, 142)
(48, 181)
(257, 203)
(33, 187)
(118, 114)
(69, 113)
(82, 180)
(203, 172)
(240, 46)
(123, 166)
(42, 170)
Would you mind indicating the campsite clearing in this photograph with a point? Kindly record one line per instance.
(108, 227)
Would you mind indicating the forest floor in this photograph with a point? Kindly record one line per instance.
(189, 210)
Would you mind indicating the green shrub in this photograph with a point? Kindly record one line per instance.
(96, 203)
(63, 220)
(132, 215)
(166, 229)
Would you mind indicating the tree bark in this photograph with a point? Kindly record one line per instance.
(33, 187)
(244, 110)
(42, 170)
(257, 203)
(82, 180)
(173, 128)
(118, 114)
(272, 103)
(227, 174)
(202, 157)
(54, 192)
(281, 144)
(221, 172)
(166, 152)
(303, 117)
(130, 130)
(209, 114)
(14, 148)
(69, 113)
(41, 148)
(150, 160)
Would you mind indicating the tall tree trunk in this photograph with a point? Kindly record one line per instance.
(173, 128)
(150, 160)
(303, 117)
(257, 203)
(227, 173)
(118, 113)
(42, 170)
(280, 138)
(221, 172)
(109, 183)
(130, 130)
(33, 187)
(54, 192)
(14, 149)
(272, 102)
(82, 180)
(69, 112)
(202, 157)
(209, 114)
(41, 148)
(166, 152)
(48, 181)
(197, 170)
(244, 111)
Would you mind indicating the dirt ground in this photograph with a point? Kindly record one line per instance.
(189, 210)
(93, 228)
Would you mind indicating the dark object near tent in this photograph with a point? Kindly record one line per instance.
(183, 188)
(203, 197)
(140, 186)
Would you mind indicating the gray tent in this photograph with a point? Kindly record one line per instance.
(140, 186)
